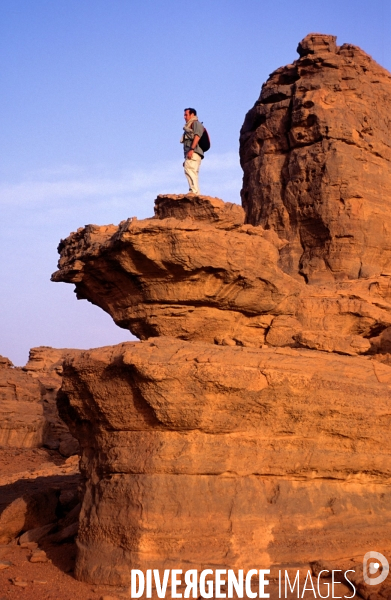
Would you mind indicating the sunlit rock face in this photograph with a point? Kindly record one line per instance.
(196, 272)
(198, 455)
(316, 155)
(250, 426)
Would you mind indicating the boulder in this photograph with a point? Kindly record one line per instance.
(35, 501)
(34, 535)
(28, 512)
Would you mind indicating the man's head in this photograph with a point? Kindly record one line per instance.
(189, 113)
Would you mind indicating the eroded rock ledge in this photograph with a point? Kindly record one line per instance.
(196, 272)
(235, 442)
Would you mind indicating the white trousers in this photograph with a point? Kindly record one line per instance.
(192, 166)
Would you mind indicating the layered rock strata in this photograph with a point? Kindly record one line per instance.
(180, 274)
(22, 422)
(316, 155)
(28, 412)
(250, 426)
(241, 451)
(45, 366)
(218, 457)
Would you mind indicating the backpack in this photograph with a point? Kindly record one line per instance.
(204, 141)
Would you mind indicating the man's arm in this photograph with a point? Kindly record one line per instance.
(194, 143)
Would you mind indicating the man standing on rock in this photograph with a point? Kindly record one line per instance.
(193, 153)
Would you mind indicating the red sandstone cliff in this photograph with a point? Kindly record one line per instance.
(250, 426)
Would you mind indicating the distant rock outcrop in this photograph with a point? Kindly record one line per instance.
(45, 365)
(316, 155)
(22, 422)
(28, 412)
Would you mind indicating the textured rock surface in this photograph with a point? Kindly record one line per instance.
(27, 512)
(28, 412)
(219, 281)
(22, 422)
(255, 434)
(183, 275)
(237, 456)
(45, 365)
(316, 155)
(213, 454)
(31, 498)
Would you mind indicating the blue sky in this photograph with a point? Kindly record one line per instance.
(91, 113)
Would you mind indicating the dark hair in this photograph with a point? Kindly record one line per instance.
(192, 111)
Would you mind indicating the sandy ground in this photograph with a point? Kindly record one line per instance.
(20, 469)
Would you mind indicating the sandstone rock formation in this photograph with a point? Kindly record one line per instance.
(250, 426)
(28, 412)
(227, 457)
(316, 155)
(45, 365)
(180, 275)
(281, 426)
(22, 422)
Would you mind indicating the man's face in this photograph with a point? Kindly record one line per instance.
(187, 115)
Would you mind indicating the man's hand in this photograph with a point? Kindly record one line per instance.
(196, 140)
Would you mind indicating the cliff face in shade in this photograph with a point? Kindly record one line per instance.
(45, 366)
(316, 155)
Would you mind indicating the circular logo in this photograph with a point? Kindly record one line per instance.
(373, 567)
